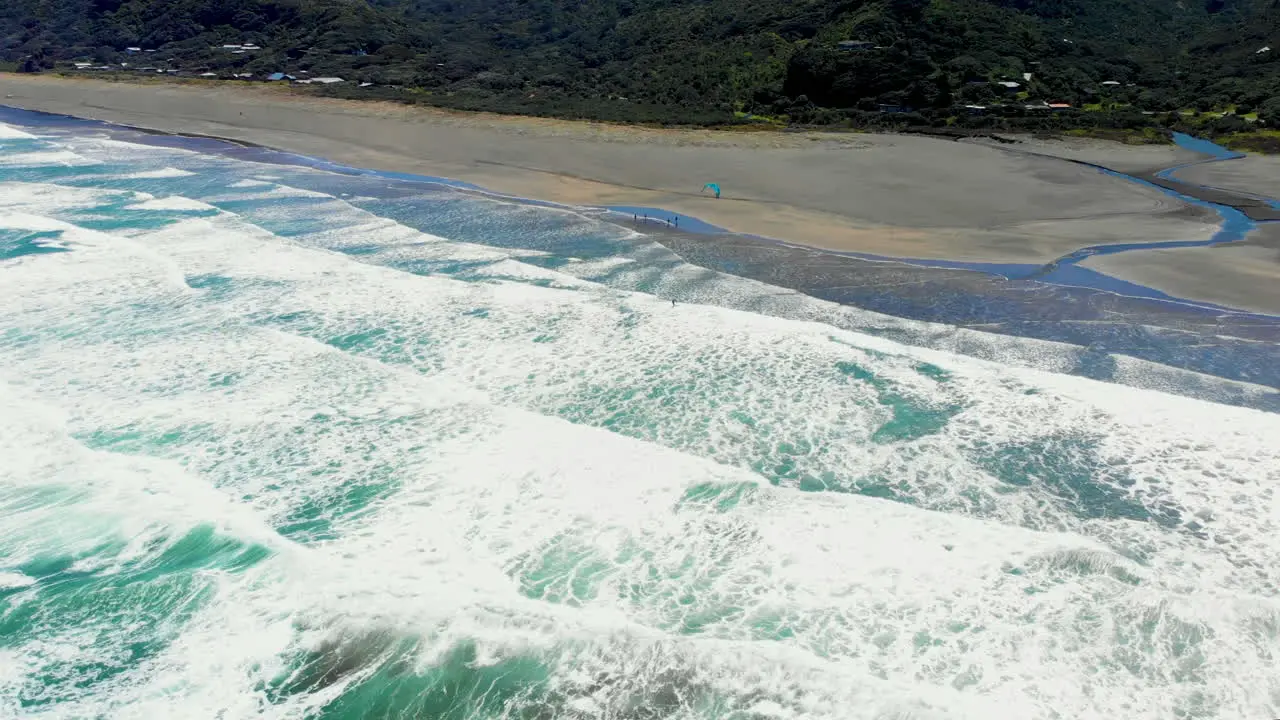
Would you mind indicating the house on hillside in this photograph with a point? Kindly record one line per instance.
(1059, 107)
(1110, 83)
(327, 80)
(278, 76)
(1009, 85)
(855, 45)
(133, 50)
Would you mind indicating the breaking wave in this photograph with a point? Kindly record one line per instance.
(284, 443)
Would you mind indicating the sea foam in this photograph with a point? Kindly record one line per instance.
(296, 458)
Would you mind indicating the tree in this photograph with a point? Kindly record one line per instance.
(1269, 112)
(943, 99)
(677, 60)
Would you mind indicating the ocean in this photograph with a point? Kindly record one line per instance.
(280, 439)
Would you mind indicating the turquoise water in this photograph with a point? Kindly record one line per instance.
(286, 443)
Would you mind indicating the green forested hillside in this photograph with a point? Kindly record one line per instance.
(714, 60)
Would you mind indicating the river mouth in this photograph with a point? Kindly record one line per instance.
(1239, 216)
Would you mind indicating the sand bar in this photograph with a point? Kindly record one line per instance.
(1239, 275)
(1252, 175)
(1129, 159)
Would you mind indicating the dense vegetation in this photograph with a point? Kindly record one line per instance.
(1120, 64)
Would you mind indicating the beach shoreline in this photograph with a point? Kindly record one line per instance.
(618, 166)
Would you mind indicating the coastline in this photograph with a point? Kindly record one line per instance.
(1131, 214)
(966, 306)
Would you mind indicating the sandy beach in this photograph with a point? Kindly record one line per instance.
(894, 195)
(1244, 276)
(897, 195)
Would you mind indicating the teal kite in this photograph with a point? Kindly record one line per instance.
(713, 187)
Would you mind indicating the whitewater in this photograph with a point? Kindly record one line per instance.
(280, 442)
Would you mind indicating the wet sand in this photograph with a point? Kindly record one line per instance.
(891, 195)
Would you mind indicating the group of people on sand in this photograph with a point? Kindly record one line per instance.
(673, 222)
(675, 219)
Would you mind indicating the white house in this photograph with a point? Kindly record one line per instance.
(855, 45)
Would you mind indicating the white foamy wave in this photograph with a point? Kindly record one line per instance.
(26, 221)
(9, 132)
(141, 150)
(122, 491)
(290, 191)
(44, 158)
(13, 580)
(173, 202)
(47, 199)
(611, 502)
(162, 173)
(272, 192)
(101, 266)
